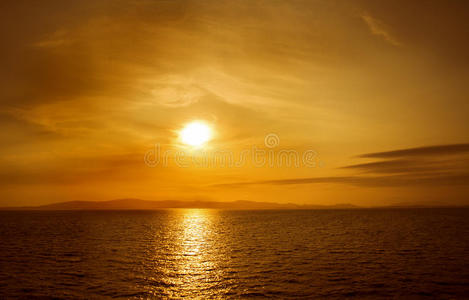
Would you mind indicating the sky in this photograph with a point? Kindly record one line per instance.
(362, 102)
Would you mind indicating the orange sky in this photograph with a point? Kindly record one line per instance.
(90, 87)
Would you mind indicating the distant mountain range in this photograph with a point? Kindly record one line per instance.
(138, 204)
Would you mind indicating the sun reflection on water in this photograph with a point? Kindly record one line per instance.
(196, 258)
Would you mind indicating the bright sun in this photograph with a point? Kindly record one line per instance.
(195, 133)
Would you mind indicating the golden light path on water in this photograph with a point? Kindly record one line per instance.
(194, 267)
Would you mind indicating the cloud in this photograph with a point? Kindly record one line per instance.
(378, 28)
(310, 180)
(65, 170)
(423, 166)
(392, 166)
(421, 151)
(56, 39)
(364, 181)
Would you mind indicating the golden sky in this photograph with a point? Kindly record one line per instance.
(378, 90)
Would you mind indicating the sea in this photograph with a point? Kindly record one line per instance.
(219, 254)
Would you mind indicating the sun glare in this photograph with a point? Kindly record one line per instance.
(196, 134)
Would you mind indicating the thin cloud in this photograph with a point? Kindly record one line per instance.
(421, 151)
(392, 166)
(366, 181)
(309, 180)
(378, 28)
(423, 166)
(56, 39)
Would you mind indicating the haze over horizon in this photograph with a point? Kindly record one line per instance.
(100, 98)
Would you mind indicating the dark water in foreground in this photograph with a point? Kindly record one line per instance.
(232, 254)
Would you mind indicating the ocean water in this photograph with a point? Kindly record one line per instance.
(401, 253)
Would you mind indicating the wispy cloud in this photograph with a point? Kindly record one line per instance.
(423, 166)
(377, 27)
(365, 181)
(391, 166)
(421, 151)
(55, 39)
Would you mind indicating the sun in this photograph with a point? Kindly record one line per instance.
(196, 133)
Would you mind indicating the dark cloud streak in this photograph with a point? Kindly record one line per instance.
(421, 151)
(366, 181)
(422, 166)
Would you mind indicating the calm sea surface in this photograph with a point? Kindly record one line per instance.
(415, 253)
